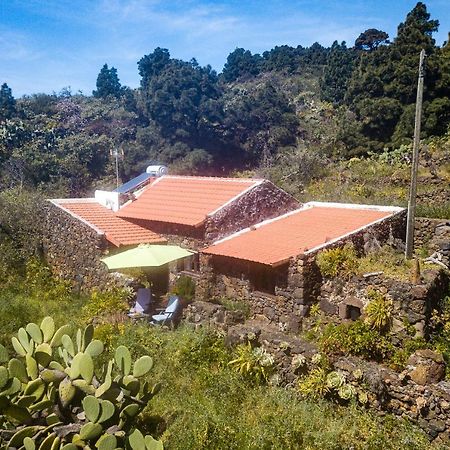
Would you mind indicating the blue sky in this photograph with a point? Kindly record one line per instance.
(46, 45)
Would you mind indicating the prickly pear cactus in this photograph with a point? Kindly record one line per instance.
(51, 398)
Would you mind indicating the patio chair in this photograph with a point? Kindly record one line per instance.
(167, 315)
(143, 303)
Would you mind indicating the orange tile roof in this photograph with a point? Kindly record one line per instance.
(184, 200)
(118, 231)
(273, 242)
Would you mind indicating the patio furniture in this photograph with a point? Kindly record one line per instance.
(168, 314)
(142, 305)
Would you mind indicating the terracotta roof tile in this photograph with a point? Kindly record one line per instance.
(118, 231)
(294, 233)
(184, 200)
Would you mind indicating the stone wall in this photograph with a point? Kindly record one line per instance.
(73, 250)
(431, 234)
(264, 201)
(413, 303)
(298, 283)
(419, 393)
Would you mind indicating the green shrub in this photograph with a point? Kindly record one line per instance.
(40, 281)
(235, 305)
(185, 288)
(104, 303)
(400, 356)
(378, 312)
(439, 211)
(315, 384)
(254, 363)
(340, 261)
(355, 338)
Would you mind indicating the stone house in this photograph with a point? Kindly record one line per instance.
(182, 210)
(272, 265)
(195, 211)
(79, 232)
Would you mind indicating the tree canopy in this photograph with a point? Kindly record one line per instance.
(108, 83)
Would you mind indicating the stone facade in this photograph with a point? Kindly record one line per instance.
(264, 201)
(297, 283)
(73, 250)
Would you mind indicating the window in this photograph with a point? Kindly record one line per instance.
(263, 279)
(189, 264)
(353, 312)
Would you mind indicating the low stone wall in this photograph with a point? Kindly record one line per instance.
(418, 394)
(432, 234)
(73, 250)
(413, 303)
(425, 404)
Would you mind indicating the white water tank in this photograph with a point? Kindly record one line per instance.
(157, 171)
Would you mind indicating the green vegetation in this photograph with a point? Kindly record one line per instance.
(343, 262)
(336, 261)
(203, 401)
(355, 338)
(185, 288)
(378, 312)
(253, 362)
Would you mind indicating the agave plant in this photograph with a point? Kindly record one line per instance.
(50, 403)
(378, 311)
(255, 363)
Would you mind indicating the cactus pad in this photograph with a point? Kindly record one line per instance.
(91, 407)
(142, 366)
(35, 332)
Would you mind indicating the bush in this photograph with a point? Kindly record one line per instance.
(185, 288)
(104, 303)
(255, 364)
(235, 305)
(356, 338)
(340, 261)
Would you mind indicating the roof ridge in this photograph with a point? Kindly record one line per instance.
(209, 178)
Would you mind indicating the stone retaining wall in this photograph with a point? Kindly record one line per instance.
(418, 394)
(431, 233)
(413, 303)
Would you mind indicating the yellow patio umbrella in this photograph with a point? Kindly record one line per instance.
(146, 255)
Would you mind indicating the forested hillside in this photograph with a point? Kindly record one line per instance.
(262, 111)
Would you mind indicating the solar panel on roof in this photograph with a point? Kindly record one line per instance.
(133, 184)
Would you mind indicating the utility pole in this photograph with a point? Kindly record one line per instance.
(415, 163)
(116, 153)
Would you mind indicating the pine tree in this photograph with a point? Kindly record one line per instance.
(337, 73)
(108, 83)
(7, 103)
